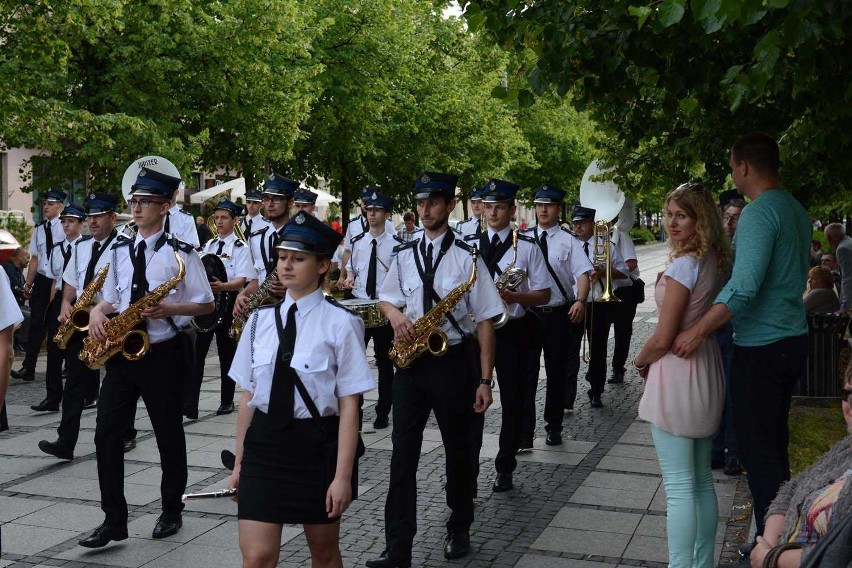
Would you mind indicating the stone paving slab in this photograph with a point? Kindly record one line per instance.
(130, 553)
(29, 540)
(539, 561)
(582, 542)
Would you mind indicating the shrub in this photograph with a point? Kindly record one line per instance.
(18, 227)
(641, 235)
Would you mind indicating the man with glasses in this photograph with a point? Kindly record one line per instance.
(763, 298)
(37, 289)
(278, 192)
(88, 257)
(137, 266)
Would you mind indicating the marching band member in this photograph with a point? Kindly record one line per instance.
(624, 312)
(88, 258)
(599, 316)
(237, 260)
(253, 221)
(372, 253)
(71, 218)
(277, 197)
(297, 428)
(305, 200)
(39, 282)
(180, 223)
(473, 226)
(357, 226)
(512, 340)
(425, 270)
(138, 266)
(560, 320)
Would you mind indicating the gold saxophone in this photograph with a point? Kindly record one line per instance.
(260, 297)
(78, 320)
(428, 335)
(122, 336)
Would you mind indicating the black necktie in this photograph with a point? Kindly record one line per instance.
(586, 249)
(543, 241)
(221, 246)
(248, 227)
(273, 250)
(429, 278)
(48, 238)
(492, 260)
(66, 256)
(90, 269)
(281, 396)
(371, 273)
(140, 283)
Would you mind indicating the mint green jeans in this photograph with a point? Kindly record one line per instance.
(691, 507)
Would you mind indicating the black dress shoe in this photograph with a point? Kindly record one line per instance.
(381, 422)
(46, 406)
(90, 404)
(167, 525)
(595, 401)
(191, 413)
(23, 374)
(389, 560)
(102, 535)
(553, 439)
(502, 483)
(617, 378)
(224, 408)
(129, 444)
(56, 449)
(526, 445)
(228, 459)
(457, 545)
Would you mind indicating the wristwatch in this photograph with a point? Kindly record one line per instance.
(487, 382)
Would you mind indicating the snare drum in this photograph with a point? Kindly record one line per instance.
(368, 310)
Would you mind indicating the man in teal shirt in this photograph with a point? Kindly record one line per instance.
(764, 299)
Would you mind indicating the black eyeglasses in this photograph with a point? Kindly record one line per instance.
(143, 203)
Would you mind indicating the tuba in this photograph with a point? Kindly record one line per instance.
(428, 335)
(79, 318)
(122, 335)
(260, 297)
(509, 279)
(607, 201)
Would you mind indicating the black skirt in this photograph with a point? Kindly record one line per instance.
(285, 473)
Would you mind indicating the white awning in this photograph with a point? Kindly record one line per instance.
(236, 189)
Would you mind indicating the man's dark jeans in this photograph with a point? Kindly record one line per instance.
(763, 381)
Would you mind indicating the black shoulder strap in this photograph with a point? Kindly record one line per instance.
(550, 268)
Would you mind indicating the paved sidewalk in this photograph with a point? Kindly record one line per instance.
(596, 501)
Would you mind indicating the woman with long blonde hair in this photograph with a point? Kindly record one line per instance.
(683, 397)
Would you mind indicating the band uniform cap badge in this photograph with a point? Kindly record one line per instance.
(544, 187)
(91, 196)
(299, 219)
(492, 186)
(271, 177)
(425, 178)
(143, 173)
(374, 196)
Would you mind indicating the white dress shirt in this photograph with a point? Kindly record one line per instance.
(530, 260)
(329, 355)
(161, 266)
(359, 261)
(182, 225)
(261, 246)
(63, 249)
(38, 244)
(257, 223)
(359, 225)
(468, 227)
(627, 250)
(403, 287)
(235, 256)
(75, 272)
(567, 259)
(10, 312)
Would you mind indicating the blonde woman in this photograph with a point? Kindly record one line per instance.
(683, 397)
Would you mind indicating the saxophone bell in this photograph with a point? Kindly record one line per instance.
(437, 342)
(135, 345)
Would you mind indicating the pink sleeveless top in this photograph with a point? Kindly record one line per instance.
(685, 397)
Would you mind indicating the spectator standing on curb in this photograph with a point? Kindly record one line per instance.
(13, 267)
(725, 453)
(10, 316)
(764, 298)
(843, 253)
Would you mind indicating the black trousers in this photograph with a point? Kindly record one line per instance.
(440, 385)
(763, 381)
(153, 378)
(552, 332)
(55, 355)
(39, 301)
(78, 389)
(510, 362)
(622, 322)
(226, 347)
(382, 337)
(598, 320)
